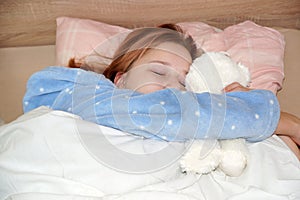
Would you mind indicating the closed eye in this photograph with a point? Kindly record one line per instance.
(182, 83)
(158, 73)
(181, 80)
(158, 69)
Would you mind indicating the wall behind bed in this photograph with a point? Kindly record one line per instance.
(28, 27)
(16, 66)
(32, 22)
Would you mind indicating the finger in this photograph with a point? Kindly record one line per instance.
(232, 87)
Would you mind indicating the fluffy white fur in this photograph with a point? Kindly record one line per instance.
(211, 72)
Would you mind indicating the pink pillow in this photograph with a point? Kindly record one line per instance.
(78, 38)
(206, 37)
(85, 39)
(259, 48)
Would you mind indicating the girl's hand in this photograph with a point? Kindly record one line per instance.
(289, 125)
(235, 86)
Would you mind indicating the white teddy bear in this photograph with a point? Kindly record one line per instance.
(211, 72)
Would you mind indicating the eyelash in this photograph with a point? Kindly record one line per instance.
(162, 74)
(183, 84)
(158, 73)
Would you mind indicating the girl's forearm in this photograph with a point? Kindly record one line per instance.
(289, 125)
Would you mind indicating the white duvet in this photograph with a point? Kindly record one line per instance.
(49, 154)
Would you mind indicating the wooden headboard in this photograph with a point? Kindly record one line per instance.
(32, 22)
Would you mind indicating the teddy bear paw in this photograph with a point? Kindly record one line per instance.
(233, 163)
(196, 160)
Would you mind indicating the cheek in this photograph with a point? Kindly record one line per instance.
(150, 88)
(144, 84)
(132, 82)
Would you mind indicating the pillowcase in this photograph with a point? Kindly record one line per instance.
(85, 40)
(79, 38)
(259, 48)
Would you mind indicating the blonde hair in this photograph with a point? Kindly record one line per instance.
(139, 41)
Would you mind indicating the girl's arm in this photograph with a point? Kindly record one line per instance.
(168, 114)
(289, 125)
(288, 128)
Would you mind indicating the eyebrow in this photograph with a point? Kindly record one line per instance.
(159, 61)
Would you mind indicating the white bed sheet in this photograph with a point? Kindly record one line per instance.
(44, 155)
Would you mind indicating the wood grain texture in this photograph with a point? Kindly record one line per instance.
(32, 22)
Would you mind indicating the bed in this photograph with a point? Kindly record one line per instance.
(37, 161)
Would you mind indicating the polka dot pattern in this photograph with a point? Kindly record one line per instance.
(196, 110)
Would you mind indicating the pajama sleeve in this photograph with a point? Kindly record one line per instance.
(168, 114)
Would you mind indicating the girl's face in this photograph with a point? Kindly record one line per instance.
(165, 66)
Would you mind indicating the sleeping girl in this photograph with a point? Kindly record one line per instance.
(143, 92)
